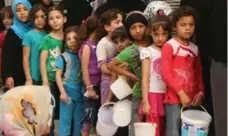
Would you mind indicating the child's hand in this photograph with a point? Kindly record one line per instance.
(63, 97)
(146, 108)
(45, 83)
(185, 100)
(9, 82)
(28, 82)
(92, 94)
(134, 78)
(197, 100)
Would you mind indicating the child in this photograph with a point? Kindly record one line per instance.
(31, 42)
(91, 71)
(12, 70)
(110, 20)
(50, 49)
(68, 78)
(136, 24)
(153, 87)
(181, 70)
(7, 19)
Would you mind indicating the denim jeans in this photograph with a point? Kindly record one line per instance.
(136, 101)
(173, 121)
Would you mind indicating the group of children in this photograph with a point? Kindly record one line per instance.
(79, 63)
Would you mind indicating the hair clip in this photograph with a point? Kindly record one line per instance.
(160, 12)
(65, 11)
(84, 22)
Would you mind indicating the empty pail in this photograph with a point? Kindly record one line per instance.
(195, 122)
(120, 88)
(105, 125)
(144, 129)
(122, 113)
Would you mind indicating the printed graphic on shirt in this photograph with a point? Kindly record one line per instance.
(54, 54)
(156, 65)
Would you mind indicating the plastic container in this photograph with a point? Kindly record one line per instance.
(122, 113)
(195, 122)
(144, 129)
(105, 125)
(120, 88)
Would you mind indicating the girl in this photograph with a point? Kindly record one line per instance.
(136, 24)
(50, 49)
(181, 70)
(110, 20)
(31, 42)
(68, 78)
(12, 70)
(90, 70)
(7, 19)
(153, 88)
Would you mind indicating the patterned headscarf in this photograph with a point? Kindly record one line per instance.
(25, 111)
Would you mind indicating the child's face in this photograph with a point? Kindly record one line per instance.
(159, 37)
(22, 13)
(40, 19)
(7, 21)
(114, 24)
(137, 31)
(122, 44)
(185, 27)
(71, 41)
(56, 20)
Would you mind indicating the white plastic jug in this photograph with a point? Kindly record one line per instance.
(144, 129)
(120, 88)
(105, 125)
(195, 122)
(122, 113)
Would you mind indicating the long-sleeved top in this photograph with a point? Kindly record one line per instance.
(12, 58)
(181, 70)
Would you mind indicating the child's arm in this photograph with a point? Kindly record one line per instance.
(85, 69)
(104, 68)
(167, 76)
(59, 81)
(114, 66)
(110, 94)
(43, 70)
(26, 66)
(145, 83)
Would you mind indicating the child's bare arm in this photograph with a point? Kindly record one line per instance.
(43, 70)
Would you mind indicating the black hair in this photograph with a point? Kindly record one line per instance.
(57, 8)
(6, 11)
(182, 12)
(119, 33)
(35, 8)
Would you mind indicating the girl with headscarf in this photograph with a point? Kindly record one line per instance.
(12, 70)
(23, 113)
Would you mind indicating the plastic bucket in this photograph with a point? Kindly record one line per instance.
(122, 113)
(105, 125)
(145, 129)
(120, 88)
(195, 122)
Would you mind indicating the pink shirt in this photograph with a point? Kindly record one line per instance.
(2, 38)
(181, 70)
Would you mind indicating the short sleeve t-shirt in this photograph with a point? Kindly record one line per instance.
(54, 47)
(105, 49)
(156, 83)
(131, 55)
(72, 78)
(32, 40)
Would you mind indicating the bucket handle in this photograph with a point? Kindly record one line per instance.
(106, 104)
(182, 109)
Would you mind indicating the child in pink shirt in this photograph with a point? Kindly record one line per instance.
(181, 70)
(7, 19)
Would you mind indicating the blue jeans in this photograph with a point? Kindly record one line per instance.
(173, 121)
(70, 113)
(136, 101)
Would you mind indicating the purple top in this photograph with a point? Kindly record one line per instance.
(94, 70)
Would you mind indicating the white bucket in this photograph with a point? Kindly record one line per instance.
(105, 125)
(122, 113)
(195, 122)
(120, 88)
(145, 129)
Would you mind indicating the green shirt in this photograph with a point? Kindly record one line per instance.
(54, 47)
(131, 56)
